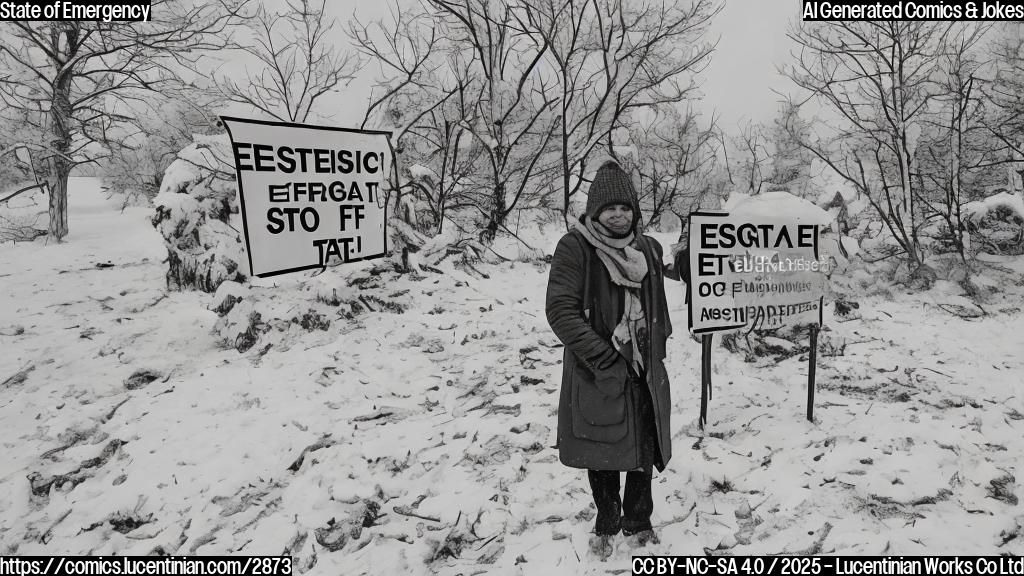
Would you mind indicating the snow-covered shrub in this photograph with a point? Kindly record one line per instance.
(923, 277)
(228, 294)
(415, 206)
(850, 209)
(534, 230)
(196, 213)
(23, 217)
(997, 222)
(241, 327)
(134, 167)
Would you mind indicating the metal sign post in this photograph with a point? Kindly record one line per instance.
(705, 377)
(756, 267)
(812, 363)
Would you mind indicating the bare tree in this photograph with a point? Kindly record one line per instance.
(755, 156)
(409, 98)
(875, 81)
(136, 163)
(791, 162)
(675, 159)
(453, 151)
(1006, 118)
(298, 62)
(18, 129)
(501, 75)
(956, 146)
(404, 49)
(612, 59)
(507, 101)
(80, 76)
(435, 147)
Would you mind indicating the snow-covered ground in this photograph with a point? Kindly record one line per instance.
(420, 442)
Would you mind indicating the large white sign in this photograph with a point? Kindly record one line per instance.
(755, 269)
(309, 193)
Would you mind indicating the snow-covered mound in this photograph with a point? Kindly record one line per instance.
(196, 213)
(978, 210)
(781, 204)
(775, 205)
(999, 222)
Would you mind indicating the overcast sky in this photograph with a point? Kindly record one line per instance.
(737, 85)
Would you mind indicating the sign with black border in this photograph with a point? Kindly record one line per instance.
(753, 273)
(310, 195)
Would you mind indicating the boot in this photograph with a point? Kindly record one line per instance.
(642, 538)
(601, 546)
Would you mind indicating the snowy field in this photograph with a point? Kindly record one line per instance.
(420, 442)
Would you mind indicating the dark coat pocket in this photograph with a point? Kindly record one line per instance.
(602, 401)
(599, 403)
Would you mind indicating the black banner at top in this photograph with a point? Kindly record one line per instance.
(79, 10)
(917, 10)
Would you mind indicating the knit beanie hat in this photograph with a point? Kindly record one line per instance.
(611, 185)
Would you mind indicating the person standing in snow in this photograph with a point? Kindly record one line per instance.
(606, 302)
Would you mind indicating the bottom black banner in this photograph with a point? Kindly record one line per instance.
(150, 565)
(826, 565)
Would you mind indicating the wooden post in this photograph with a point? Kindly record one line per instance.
(812, 362)
(705, 377)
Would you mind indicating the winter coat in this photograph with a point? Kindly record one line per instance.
(599, 426)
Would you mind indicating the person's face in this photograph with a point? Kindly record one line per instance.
(617, 217)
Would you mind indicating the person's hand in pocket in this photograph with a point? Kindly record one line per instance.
(612, 381)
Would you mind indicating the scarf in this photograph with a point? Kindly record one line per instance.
(627, 267)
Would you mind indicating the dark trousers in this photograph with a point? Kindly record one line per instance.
(632, 513)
